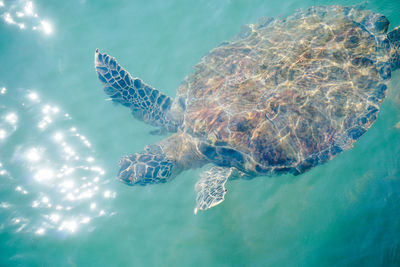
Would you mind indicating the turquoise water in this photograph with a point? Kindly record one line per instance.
(60, 142)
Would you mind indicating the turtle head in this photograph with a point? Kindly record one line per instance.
(147, 167)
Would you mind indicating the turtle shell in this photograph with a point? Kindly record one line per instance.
(287, 94)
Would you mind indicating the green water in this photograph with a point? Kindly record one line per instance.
(60, 142)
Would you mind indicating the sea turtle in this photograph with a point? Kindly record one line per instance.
(283, 96)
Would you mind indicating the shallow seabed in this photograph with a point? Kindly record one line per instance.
(60, 142)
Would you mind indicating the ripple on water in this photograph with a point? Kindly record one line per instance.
(49, 174)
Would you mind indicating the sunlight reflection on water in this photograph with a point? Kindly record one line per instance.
(22, 14)
(59, 186)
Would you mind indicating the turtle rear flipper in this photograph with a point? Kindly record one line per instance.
(394, 39)
(211, 187)
(146, 103)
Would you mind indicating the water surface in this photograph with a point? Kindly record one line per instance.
(60, 142)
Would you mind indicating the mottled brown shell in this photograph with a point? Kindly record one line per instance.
(290, 93)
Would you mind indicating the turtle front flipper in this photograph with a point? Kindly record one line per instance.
(211, 187)
(146, 103)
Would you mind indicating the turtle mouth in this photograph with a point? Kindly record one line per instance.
(126, 172)
(145, 168)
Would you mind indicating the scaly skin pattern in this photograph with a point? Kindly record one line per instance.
(145, 102)
(288, 94)
(150, 166)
